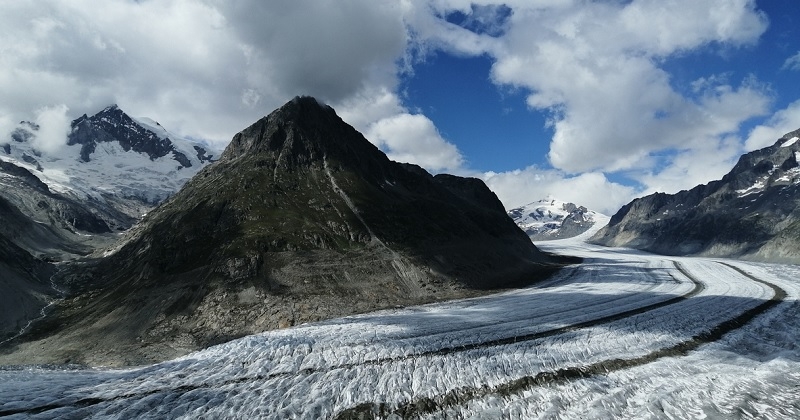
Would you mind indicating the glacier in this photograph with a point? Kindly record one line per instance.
(599, 340)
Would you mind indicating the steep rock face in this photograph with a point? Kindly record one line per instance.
(24, 280)
(752, 212)
(301, 219)
(550, 219)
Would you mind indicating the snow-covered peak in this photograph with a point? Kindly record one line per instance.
(111, 154)
(551, 218)
(542, 211)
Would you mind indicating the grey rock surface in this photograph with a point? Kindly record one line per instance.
(751, 213)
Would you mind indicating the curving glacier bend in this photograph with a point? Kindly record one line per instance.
(624, 335)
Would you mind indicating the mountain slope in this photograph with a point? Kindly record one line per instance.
(550, 219)
(24, 280)
(300, 219)
(752, 212)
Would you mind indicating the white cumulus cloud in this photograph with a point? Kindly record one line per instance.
(781, 123)
(209, 68)
(793, 62)
(414, 138)
(54, 126)
(206, 69)
(403, 135)
(598, 69)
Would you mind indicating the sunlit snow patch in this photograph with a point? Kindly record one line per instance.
(790, 142)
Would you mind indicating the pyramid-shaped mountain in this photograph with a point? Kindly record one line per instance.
(753, 212)
(301, 219)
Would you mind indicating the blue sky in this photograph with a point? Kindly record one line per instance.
(492, 125)
(595, 102)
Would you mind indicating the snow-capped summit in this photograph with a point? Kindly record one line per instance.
(110, 154)
(549, 219)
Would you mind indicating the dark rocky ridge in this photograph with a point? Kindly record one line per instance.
(25, 282)
(39, 227)
(752, 212)
(301, 219)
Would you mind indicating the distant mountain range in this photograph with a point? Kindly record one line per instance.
(753, 212)
(550, 219)
(300, 219)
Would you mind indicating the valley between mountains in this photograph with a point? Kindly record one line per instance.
(624, 335)
(300, 273)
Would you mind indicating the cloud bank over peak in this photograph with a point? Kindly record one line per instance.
(208, 68)
(591, 189)
(54, 126)
(598, 69)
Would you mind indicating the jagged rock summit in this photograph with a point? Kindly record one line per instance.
(753, 212)
(301, 219)
(550, 219)
(113, 125)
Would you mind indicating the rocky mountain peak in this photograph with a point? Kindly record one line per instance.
(124, 164)
(112, 124)
(304, 132)
(780, 157)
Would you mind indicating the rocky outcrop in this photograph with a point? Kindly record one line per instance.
(752, 212)
(300, 219)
